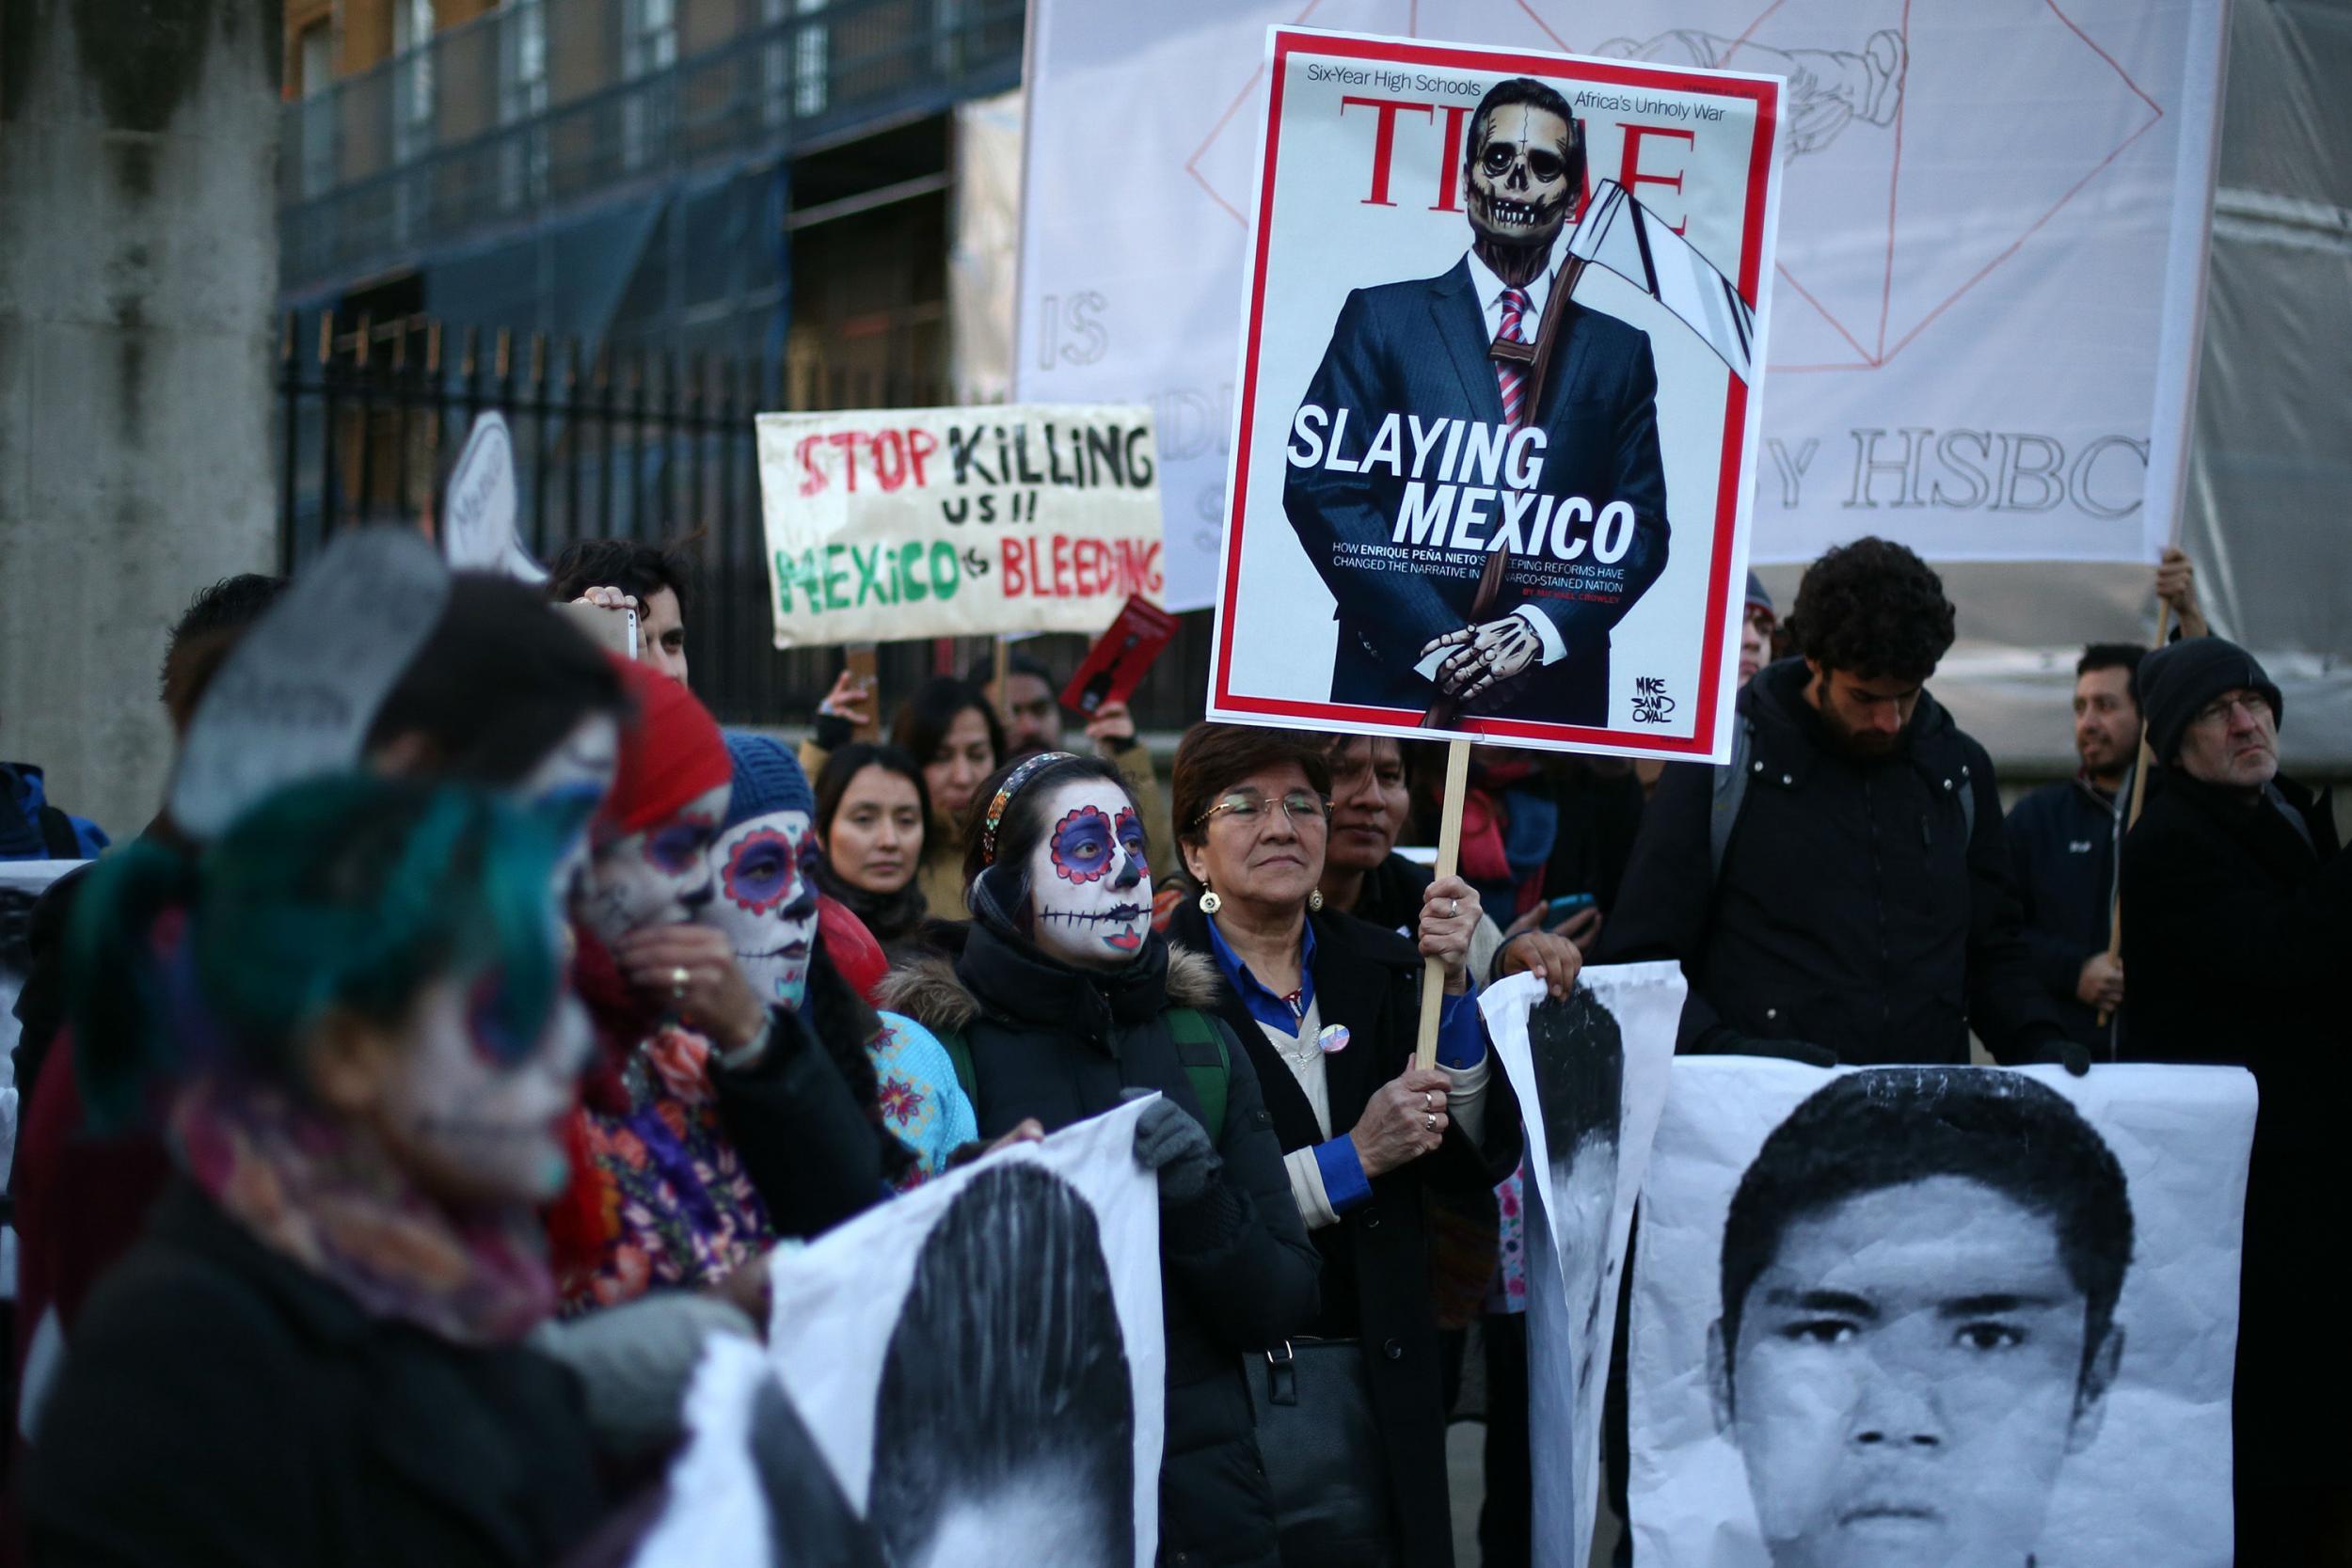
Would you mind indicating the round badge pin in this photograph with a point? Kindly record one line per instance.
(1334, 1037)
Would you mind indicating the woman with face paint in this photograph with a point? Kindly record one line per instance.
(766, 902)
(1063, 1002)
(712, 1124)
(362, 1046)
(1329, 1007)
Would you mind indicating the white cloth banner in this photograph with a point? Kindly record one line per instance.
(1938, 1315)
(980, 1363)
(1991, 257)
(1593, 1070)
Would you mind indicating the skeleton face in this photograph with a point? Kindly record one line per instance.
(658, 876)
(766, 903)
(1518, 180)
(1088, 884)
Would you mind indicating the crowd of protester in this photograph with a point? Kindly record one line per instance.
(387, 1158)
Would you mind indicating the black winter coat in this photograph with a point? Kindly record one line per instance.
(223, 1405)
(2235, 932)
(1238, 1272)
(1856, 918)
(1376, 1261)
(2061, 843)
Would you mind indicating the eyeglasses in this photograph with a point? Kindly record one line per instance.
(2257, 707)
(1301, 807)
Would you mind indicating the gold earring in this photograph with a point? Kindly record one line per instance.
(1314, 899)
(1210, 902)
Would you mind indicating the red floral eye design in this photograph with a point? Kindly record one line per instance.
(760, 874)
(1128, 829)
(1082, 846)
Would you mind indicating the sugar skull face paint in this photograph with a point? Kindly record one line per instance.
(659, 877)
(1090, 883)
(474, 1110)
(766, 901)
(568, 786)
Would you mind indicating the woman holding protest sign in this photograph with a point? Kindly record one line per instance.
(1062, 1004)
(363, 1041)
(953, 734)
(1327, 1007)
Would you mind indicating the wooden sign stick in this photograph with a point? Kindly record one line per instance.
(1449, 859)
(861, 658)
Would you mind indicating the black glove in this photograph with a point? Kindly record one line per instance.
(1168, 1141)
(1723, 1040)
(2058, 1050)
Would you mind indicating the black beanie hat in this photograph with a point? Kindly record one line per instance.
(2180, 678)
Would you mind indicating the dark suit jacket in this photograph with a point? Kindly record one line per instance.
(1420, 348)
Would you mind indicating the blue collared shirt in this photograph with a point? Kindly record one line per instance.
(1461, 1043)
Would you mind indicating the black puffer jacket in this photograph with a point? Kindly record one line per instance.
(1857, 918)
(1237, 1270)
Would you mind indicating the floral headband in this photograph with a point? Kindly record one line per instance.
(1011, 787)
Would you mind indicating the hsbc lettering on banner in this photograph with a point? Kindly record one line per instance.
(1493, 450)
(943, 522)
(1991, 251)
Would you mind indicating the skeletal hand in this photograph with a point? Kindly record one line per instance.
(1497, 651)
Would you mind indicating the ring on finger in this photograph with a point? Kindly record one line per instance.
(1427, 1103)
(1429, 1123)
(1452, 907)
(678, 977)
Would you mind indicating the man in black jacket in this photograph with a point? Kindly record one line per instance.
(1860, 908)
(2238, 918)
(2063, 839)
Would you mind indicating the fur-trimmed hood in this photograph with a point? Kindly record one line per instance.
(928, 991)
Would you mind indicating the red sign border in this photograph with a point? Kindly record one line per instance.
(1730, 471)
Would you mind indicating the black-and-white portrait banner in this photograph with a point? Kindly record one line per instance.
(1955, 1316)
(1593, 1072)
(980, 1363)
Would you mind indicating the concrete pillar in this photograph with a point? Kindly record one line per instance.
(138, 277)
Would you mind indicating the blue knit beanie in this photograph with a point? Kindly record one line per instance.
(767, 779)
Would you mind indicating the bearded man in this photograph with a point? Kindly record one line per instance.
(1841, 893)
(1417, 452)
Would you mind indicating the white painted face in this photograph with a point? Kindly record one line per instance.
(568, 786)
(475, 1114)
(766, 902)
(658, 876)
(1090, 886)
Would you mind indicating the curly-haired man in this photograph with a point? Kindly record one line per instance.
(1842, 892)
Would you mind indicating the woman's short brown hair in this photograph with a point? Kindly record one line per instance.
(1213, 758)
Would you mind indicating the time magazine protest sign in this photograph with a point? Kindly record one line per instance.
(945, 522)
(1496, 431)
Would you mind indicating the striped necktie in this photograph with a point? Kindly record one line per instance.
(1511, 376)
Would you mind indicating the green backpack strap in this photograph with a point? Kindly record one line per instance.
(1202, 1049)
(959, 1057)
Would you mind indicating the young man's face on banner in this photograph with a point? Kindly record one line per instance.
(1910, 1374)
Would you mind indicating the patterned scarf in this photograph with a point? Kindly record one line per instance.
(329, 1197)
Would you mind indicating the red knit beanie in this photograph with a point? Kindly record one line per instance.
(670, 753)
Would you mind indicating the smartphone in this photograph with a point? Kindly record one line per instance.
(615, 633)
(1565, 905)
